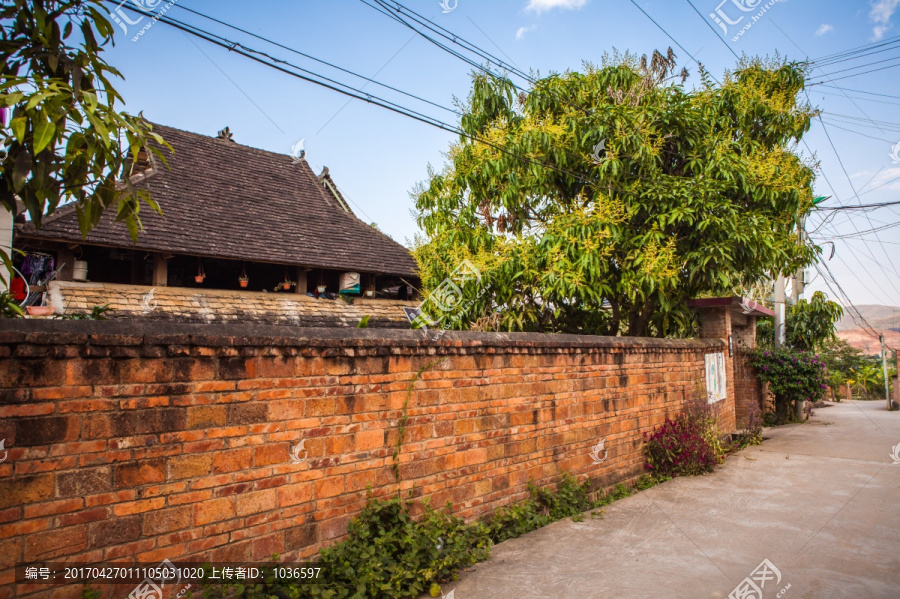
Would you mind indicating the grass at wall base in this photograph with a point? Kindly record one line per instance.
(389, 554)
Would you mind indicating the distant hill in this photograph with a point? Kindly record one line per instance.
(884, 319)
(868, 343)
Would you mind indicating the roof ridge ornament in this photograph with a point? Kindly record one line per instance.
(227, 134)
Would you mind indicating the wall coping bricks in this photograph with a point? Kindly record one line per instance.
(142, 333)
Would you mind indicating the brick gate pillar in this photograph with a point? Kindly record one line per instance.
(733, 320)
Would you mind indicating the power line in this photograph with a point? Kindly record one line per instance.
(858, 132)
(859, 51)
(310, 57)
(832, 80)
(790, 39)
(402, 11)
(663, 29)
(888, 102)
(337, 86)
(861, 206)
(860, 91)
(713, 29)
(850, 181)
(848, 302)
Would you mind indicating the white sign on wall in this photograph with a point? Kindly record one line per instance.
(716, 385)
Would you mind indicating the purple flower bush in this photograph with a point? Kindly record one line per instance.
(792, 375)
(686, 445)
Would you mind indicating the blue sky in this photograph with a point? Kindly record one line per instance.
(377, 157)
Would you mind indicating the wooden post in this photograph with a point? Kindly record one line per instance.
(65, 257)
(160, 271)
(301, 280)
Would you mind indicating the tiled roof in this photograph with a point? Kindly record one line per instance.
(221, 306)
(221, 199)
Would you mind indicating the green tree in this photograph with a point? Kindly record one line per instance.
(793, 376)
(67, 142)
(807, 325)
(868, 378)
(603, 200)
(842, 360)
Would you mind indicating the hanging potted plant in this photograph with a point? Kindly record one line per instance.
(370, 291)
(243, 280)
(201, 274)
(286, 284)
(321, 287)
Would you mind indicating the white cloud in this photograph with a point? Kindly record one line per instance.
(540, 6)
(881, 13)
(886, 179)
(520, 33)
(825, 28)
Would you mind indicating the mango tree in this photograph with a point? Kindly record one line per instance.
(600, 201)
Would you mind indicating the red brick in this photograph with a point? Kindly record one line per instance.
(35, 409)
(10, 552)
(140, 473)
(83, 517)
(84, 481)
(138, 507)
(206, 416)
(264, 547)
(55, 543)
(163, 521)
(192, 497)
(189, 466)
(214, 510)
(25, 527)
(114, 531)
(328, 487)
(368, 440)
(25, 490)
(51, 508)
(259, 501)
(275, 453)
(232, 460)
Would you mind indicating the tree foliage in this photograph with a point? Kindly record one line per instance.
(807, 324)
(602, 200)
(67, 141)
(793, 376)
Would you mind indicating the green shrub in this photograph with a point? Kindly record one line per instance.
(541, 508)
(8, 306)
(792, 376)
(389, 554)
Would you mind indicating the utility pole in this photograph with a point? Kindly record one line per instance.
(887, 383)
(779, 311)
(798, 285)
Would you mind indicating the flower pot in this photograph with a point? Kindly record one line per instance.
(286, 286)
(370, 293)
(79, 270)
(321, 289)
(199, 278)
(40, 310)
(244, 283)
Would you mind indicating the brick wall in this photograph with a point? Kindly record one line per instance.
(138, 441)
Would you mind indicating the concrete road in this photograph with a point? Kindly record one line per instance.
(819, 501)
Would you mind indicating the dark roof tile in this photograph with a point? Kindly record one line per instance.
(222, 199)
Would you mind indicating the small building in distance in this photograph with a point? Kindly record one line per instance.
(244, 234)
